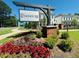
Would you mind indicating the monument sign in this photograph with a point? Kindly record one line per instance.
(29, 15)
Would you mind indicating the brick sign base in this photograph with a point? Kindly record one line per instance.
(49, 31)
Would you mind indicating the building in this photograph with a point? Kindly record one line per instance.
(61, 19)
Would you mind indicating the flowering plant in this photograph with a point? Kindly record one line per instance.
(35, 51)
(39, 51)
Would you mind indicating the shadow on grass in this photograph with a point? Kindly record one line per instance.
(22, 34)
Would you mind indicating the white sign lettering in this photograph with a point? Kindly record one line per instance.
(29, 15)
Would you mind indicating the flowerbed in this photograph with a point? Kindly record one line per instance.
(34, 51)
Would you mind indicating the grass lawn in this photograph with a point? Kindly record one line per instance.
(3, 41)
(5, 31)
(74, 35)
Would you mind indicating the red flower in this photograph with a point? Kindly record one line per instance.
(36, 52)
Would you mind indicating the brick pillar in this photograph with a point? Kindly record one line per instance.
(49, 31)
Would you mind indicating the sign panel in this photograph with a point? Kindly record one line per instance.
(29, 15)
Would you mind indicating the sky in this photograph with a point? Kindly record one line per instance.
(61, 6)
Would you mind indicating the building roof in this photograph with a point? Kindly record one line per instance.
(64, 15)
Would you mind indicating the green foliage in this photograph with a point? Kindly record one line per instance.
(64, 35)
(20, 55)
(39, 34)
(4, 7)
(67, 23)
(36, 44)
(11, 22)
(50, 42)
(32, 25)
(66, 45)
(5, 19)
(74, 22)
(5, 11)
(31, 36)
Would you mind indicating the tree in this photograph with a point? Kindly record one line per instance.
(66, 23)
(74, 22)
(5, 11)
(10, 22)
(4, 8)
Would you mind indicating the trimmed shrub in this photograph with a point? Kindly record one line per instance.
(39, 34)
(50, 42)
(36, 44)
(64, 35)
(30, 36)
(65, 45)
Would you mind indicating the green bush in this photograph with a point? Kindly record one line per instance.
(20, 55)
(58, 32)
(31, 36)
(50, 42)
(36, 44)
(32, 25)
(64, 35)
(39, 34)
(65, 45)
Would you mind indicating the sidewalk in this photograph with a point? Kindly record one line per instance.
(69, 30)
(14, 31)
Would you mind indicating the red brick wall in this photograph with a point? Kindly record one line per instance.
(49, 31)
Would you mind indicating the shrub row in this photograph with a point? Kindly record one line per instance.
(65, 45)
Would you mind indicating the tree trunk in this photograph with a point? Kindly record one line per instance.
(67, 28)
